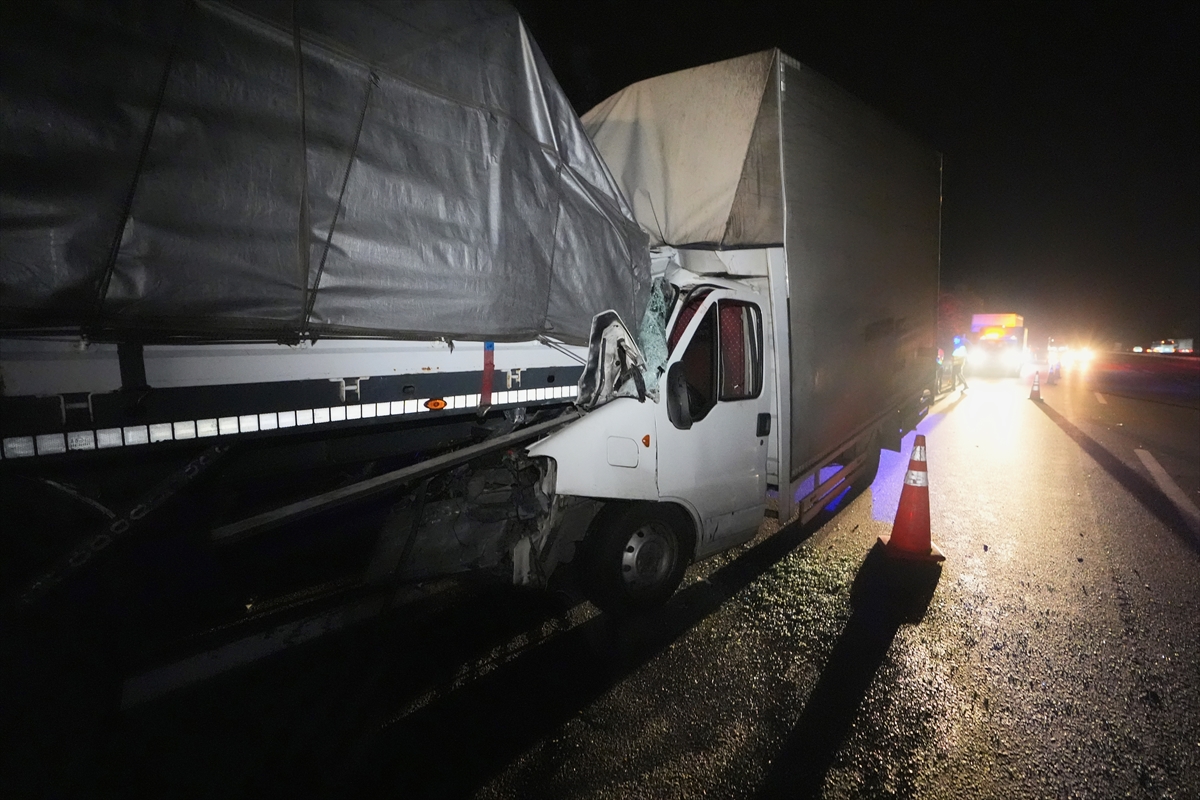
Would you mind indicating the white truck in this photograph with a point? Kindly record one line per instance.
(800, 232)
(788, 333)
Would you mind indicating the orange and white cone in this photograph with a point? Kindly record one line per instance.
(1036, 392)
(910, 533)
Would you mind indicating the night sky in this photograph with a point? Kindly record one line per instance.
(1071, 131)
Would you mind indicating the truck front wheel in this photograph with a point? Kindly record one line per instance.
(636, 555)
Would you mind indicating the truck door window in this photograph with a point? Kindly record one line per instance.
(741, 350)
(700, 366)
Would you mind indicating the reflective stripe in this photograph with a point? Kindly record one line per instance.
(137, 434)
(918, 453)
(109, 437)
(81, 440)
(18, 447)
(917, 477)
(51, 443)
(55, 443)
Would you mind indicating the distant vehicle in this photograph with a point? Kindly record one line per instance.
(1163, 346)
(1000, 344)
(1185, 346)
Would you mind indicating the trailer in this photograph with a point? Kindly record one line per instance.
(253, 252)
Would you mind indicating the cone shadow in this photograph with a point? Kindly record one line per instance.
(886, 594)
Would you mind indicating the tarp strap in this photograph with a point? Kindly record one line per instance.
(302, 221)
(372, 82)
(127, 207)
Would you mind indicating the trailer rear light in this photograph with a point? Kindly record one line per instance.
(435, 404)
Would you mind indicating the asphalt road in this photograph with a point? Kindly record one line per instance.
(1055, 654)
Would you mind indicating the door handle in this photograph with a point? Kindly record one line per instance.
(764, 425)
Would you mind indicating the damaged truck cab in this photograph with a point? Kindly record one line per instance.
(673, 475)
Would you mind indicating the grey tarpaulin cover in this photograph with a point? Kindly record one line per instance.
(761, 151)
(197, 168)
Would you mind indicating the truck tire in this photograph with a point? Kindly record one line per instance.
(635, 555)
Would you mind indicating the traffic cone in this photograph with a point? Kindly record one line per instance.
(1036, 392)
(910, 532)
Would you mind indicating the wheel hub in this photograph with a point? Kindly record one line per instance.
(647, 557)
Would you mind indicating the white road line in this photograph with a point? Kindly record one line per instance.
(1171, 489)
(1100, 398)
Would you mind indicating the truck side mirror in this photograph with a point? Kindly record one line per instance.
(679, 409)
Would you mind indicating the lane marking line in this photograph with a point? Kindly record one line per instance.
(1100, 398)
(1170, 488)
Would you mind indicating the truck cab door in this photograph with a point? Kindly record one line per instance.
(712, 428)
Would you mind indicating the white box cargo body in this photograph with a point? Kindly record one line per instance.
(761, 151)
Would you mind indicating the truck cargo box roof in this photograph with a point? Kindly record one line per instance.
(761, 151)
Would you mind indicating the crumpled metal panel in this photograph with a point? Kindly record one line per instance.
(170, 169)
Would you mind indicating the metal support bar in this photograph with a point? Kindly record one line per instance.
(825, 493)
(380, 483)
